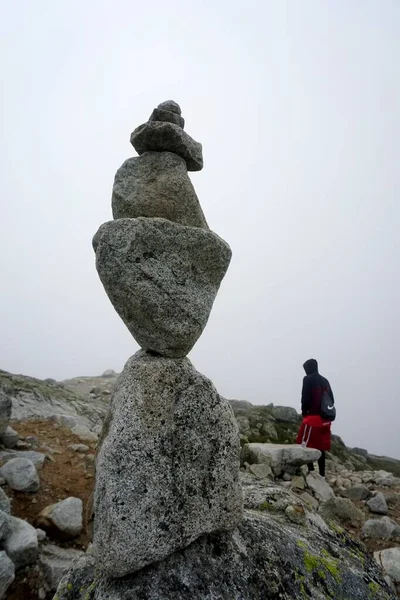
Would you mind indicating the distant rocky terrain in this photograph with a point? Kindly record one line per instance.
(304, 507)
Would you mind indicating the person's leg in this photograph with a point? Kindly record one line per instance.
(321, 464)
(310, 467)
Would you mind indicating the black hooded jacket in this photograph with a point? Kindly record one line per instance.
(313, 386)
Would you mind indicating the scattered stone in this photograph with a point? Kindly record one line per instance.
(171, 106)
(320, 488)
(309, 500)
(298, 482)
(343, 511)
(5, 526)
(21, 445)
(156, 184)
(358, 493)
(5, 411)
(285, 414)
(378, 505)
(21, 475)
(5, 503)
(162, 279)
(65, 420)
(55, 563)
(155, 136)
(10, 437)
(389, 560)
(84, 433)
(42, 594)
(32, 440)
(383, 528)
(63, 520)
(260, 471)
(80, 448)
(279, 456)
(168, 425)
(7, 573)
(360, 452)
(38, 458)
(41, 535)
(21, 544)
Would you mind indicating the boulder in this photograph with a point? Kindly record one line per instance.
(167, 468)
(55, 563)
(343, 511)
(383, 528)
(358, 493)
(21, 475)
(389, 560)
(320, 488)
(21, 544)
(63, 520)
(280, 457)
(5, 411)
(261, 471)
(378, 505)
(156, 184)
(155, 136)
(171, 106)
(7, 573)
(10, 437)
(162, 279)
(109, 374)
(84, 433)
(265, 558)
(285, 414)
(80, 448)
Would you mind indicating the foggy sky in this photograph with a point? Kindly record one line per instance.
(297, 107)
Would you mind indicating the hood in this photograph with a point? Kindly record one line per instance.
(311, 366)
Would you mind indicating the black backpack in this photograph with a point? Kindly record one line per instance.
(328, 410)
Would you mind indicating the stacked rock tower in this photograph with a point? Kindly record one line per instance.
(167, 467)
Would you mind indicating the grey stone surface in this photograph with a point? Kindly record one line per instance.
(21, 544)
(5, 502)
(5, 524)
(343, 511)
(384, 528)
(389, 560)
(167, 468)
(378, 504)
(280, 457)
(10, 437)
(63, 520)
(156, 136)
(358, 492)
(5, 411)
(21, 475)
(319, 486)
(171, 106)
(84, 433)
(162, 279)
(257, 563)
(7, 573)
(261, 471)
(41, 535)
(80, 448)
(160, 114)
(156, 184)
(55, 563)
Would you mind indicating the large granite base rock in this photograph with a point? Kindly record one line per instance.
(162, 279)
(156, 184)
(265, 559)
(167, 468)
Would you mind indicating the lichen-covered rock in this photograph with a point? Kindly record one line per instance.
(343, 511)
(156, 184)
(162, 279)
(5, 411)
(156, 136)
(167, 467)
(55, 563)
(265, 558)
(378, 504)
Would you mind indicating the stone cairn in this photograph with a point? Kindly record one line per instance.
(167, 468)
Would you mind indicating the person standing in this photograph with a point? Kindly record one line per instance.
(318, 410)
